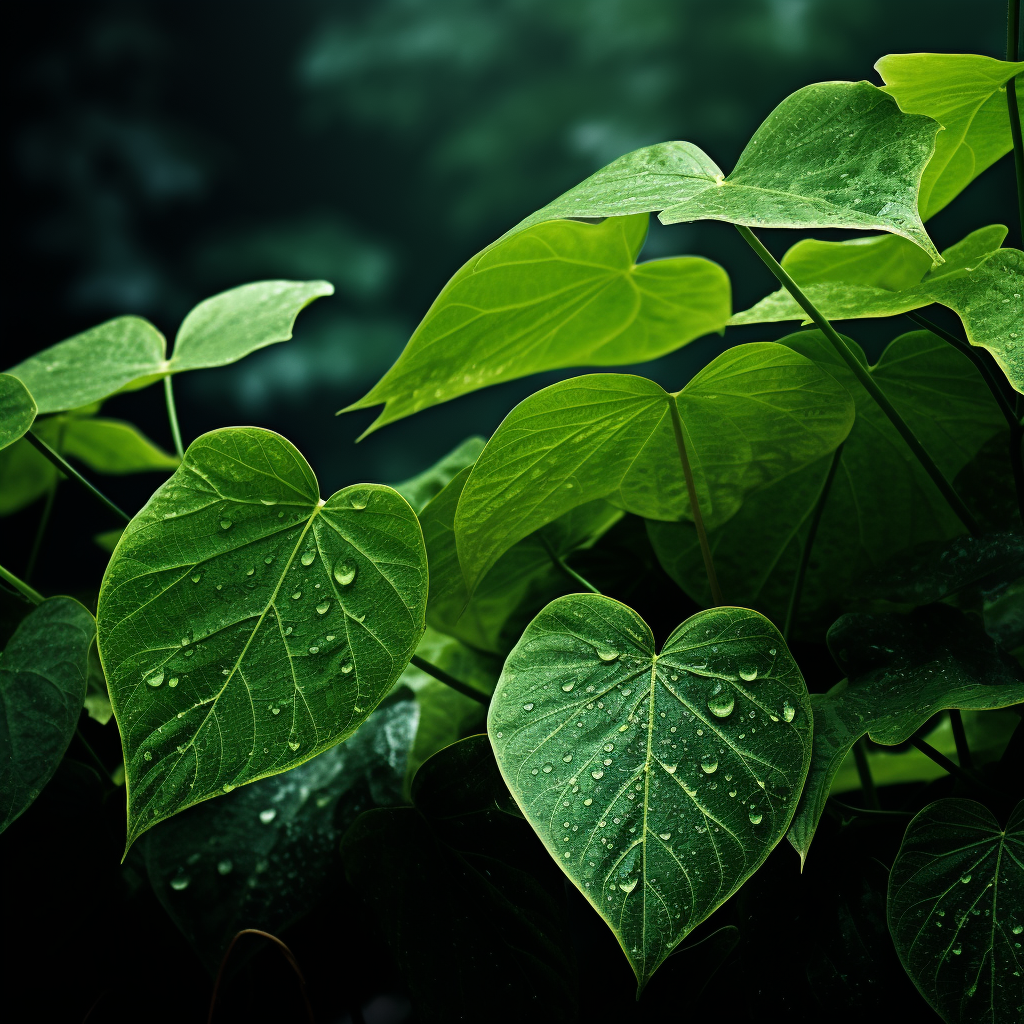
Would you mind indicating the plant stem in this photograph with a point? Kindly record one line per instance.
(21, 586)
(37, 543)
(172, 415)
(945, 764)
(698, 519)
(963, 751)
(867, 783)
(442, 677)
(864, 377)
(68, 470)
(805, 556)
(1012, 54)
(104, 774)
(565, 567)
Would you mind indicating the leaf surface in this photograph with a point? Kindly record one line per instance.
(17, 409)
(956, 910)
(421, 489)
(42, 688)
(882, 261)
(246, 625)
(658, 782)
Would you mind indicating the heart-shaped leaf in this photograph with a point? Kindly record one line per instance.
(17, 409)
(659, 781)
(901, 671)
(42, 688)
(558, 294)
(756, 413)
(246, 625)
(956, 910)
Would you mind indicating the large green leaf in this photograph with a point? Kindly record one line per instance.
(42, 688)
(901, 671)
(966, 94)
(881, 501)
(884, 261)
(17, 409)
(659, 781)
(130, 352)
(956, 911)
(421, 489)
(246, 625)
(558, 294)
(756, 413)
(834, 154)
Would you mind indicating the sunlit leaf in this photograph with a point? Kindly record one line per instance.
(966, 94)
(559, 294)
(884, 261)
(246, 625)
(956, 910)
(901, 670)
(42, 687)
(756, 413)
(17, 409)
(659, 781)
(881, 501)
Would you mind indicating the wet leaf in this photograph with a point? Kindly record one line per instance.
(658, 782)
(246, 625)
(17, 409)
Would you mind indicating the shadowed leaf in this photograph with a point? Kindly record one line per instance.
(17, 409)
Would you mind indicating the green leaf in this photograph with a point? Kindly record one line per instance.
(901, 671)
(884, 261)
(465, 896)
(421, 489)
(42, 687)
(659, 782)
(956, 910)
(881, 501)
(834, 154)
(246, 625)
(97, 700)
(558, 294)
(267, 854)
(756, 413)
(965, 93)
(17, 409)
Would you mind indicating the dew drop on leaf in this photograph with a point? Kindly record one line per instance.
(748, 673)
(721, 705)
(709, 763)
(268, 815)
(225, 524)
(788, 712)
(180, 882)
(323, 607)
(344, 572)
(155, 678)
(224, 866)
(755, 817)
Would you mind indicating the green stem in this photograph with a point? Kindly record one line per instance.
(867, 783)
(65, 467)
(442, 677)
(565, 567)
(172, 415)
(691, 490)
(92, 753)
(1012, 54)
(21, 586)
(805, 557)
(945, 764)
(864, 377)
(37, 543)
(963, 751)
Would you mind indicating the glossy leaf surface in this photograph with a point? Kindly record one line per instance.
(558, 294)
(756, 413)
(42, 687)
(883, 261)
(658, 781)
(956, 910)
(901, 670)
(246, 625)
(17, 409)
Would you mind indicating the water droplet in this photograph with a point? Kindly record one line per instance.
(597, 775)
(148, 756)
(180, 882)
(670, 768)
(172, 682)
(269, 559)
(567, 686)
(296, 595)
(323, 607)
(1017, 929)
(608, 654)
(196, 577)
(772, 652)
(314, 650)
(268, 815)
(288, 630)
(224, 866)
(965, 878)
(268, 501)
(732, 792)
(709, 763)
(344, 572)
(275, 711)
(628, 886)
(225, 524)
(307, 558)
(755, 817)
(788, 712)
(665, 836)
(155, 678)
(293, 744)
(567, 758)
(749, 673)
(722, 704)
(346, 668)
(547, 769)
(588, 801)
(528, 707)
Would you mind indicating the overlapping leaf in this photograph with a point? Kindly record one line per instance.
(42, 688)
(659, 781)
(881, 501)
(246, 625)
(756, 413)
(956, 910)
(17, 409)
(559, 294)
(901, 671)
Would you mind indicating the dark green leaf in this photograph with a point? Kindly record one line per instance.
(956, 910)
(17, 409)
(659, 782)
(246, 625)
(42, 688)
(421, 489)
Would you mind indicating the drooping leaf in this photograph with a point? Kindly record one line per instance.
(956, 910)
(901, 670)
(42, 687)
(246, 625)
(880, 503)
(558, 294)
(268, 853)
(966, 94)
(465, 896)
(834, 154)
(756, 413)
(17, 409)
(658, 781)
(421, 489)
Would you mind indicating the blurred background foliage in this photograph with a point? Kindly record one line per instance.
(159, 152)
